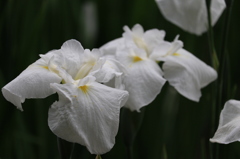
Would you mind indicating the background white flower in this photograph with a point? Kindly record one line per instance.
(191, 15)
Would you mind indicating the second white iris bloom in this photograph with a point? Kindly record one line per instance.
(141, 51)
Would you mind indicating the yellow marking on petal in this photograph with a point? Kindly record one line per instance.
(84, 88)
(46, 67)
(136, 59)
(176, 54)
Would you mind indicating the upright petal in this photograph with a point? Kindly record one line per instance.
(88, 114)
(73, 48)
(229, 125)
(187, 74)
(34, 82)
(153, 38)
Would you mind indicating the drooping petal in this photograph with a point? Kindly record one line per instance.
(229, 124)
(143, 81)
(187, 74)
(190, 15)
(34, 82)
(88, 114)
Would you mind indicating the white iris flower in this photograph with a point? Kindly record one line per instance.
(191, 15)
(229, 128)
(87, 111)
(140, 51)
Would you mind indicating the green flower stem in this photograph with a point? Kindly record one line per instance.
(223, 93)
(98, 157)
(130, 124)
(65, 148)
(213, 54)
(221, 87)
(223, 54)
(215, 61)
(164, 153)
(214, 149)
(224, 77)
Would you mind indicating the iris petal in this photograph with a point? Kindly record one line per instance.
(191, 15)
(34, 82)
(229, 127)
(88, 117)
(187, 74)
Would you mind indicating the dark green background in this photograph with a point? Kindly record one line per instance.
(173, 127)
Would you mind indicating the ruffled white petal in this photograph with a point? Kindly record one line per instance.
(164, 49)
(161, 51)
(144, 79)
(88, 115)
(111, 73)
(187, 74)
(190, 15)
(34, 82)
(229, 125)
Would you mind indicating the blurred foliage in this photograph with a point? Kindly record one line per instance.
(173, 127)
